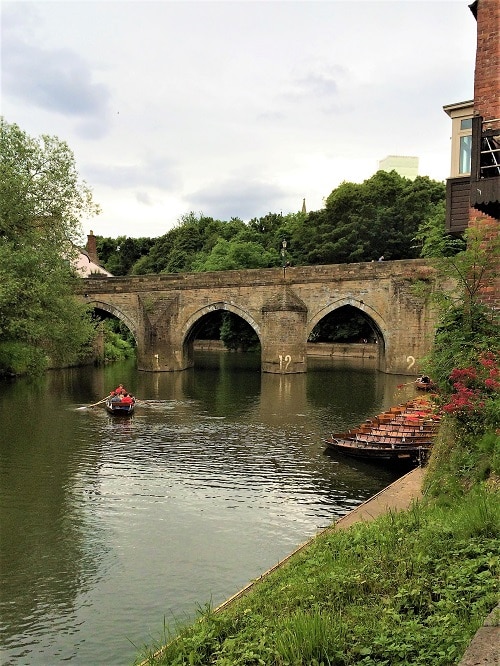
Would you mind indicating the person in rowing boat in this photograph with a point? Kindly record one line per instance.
(127, 399)
(120, 390)
(115, 397)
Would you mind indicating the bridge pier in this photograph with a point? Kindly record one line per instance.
(284, 347)
(158, 349)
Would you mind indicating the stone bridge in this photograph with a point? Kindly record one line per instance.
(283, 306)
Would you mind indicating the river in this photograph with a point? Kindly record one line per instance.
(112, 527)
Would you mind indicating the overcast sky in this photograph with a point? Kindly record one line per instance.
(234, 109)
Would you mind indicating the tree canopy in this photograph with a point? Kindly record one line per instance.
(42, 200)
(359, 222)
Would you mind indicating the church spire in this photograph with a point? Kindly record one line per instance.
(304, 206)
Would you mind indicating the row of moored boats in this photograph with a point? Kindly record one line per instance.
(403, 434)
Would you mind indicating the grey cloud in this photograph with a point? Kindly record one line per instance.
(53, 79)
(241, 199)
(321, 81)
(144, 198)
(152, 172)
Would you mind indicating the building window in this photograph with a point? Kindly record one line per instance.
(465, 154)
(461, 115)
(465, 146)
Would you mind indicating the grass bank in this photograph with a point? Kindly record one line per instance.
(411, 587)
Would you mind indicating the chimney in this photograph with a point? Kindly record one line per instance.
(92, 248)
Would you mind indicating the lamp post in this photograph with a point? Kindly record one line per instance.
(283, 256)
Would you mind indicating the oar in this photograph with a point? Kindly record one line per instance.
(94, 405)
(153, 400)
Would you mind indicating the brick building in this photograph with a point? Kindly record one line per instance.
(473, 190)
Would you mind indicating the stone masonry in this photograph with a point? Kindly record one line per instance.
(162, 311)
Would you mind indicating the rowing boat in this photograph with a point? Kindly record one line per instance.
(119, 408)
(381, 452)
(401, 435)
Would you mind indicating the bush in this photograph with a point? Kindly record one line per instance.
(18, 358)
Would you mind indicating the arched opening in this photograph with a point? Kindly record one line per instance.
(220, 327)
(346, 324)
(346, 331)
(116, 338)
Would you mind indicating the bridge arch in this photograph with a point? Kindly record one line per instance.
(189, 325)
(116, 312)
(374, 317)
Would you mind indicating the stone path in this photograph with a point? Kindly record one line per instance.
(396, 497)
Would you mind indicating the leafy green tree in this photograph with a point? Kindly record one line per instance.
(467, 328)
(188, 243)
(232, 255)
(433, 240)
(361, 222)
(41, 202)
(40, 189)
(118, 255)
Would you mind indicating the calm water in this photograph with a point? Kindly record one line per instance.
(110, 527)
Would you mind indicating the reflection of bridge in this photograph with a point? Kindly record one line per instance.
(164, 311)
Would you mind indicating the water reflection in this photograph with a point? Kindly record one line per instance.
(110, 524)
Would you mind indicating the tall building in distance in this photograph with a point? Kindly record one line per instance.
(404, 165)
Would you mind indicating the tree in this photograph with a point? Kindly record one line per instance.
(233, 255)
(119, 255)
(237, 334)
(41, 202)
(361, 222)
(40, 189)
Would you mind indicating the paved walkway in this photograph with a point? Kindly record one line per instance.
(396, 497)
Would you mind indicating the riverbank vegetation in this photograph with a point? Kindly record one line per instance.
(411, 587)
(119, 343)
(41, 202)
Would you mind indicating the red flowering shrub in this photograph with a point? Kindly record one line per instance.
(475, 393)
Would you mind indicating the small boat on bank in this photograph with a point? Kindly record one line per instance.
(403, 434)
(119, 408)
(425, 383)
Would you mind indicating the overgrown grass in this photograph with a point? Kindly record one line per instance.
(409, 588)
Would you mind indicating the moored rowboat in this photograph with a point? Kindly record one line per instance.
(424, 383)
(402, 435)
(394, 453)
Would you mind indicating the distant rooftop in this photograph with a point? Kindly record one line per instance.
(404, 165)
